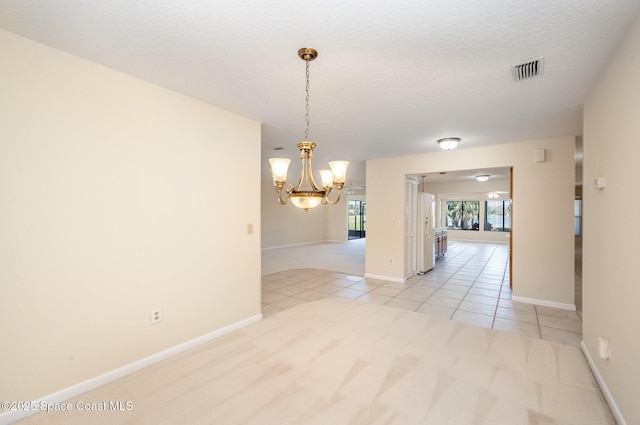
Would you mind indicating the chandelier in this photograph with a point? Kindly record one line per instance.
(307, 194)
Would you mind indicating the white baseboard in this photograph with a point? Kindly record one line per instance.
(303, 243)
(290, 245)
(603, 386)
(503, 242)
(98, 381)
(389, 278)
(544, 303)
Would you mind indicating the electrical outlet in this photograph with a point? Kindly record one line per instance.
(156, 315)
(604, 348)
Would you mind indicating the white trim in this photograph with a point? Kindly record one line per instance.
(105, 378)
(603, 386)
(476, 240)
(389, 278)
(291, 245)
(544, 303)
(300, 244)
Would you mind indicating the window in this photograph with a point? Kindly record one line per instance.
(357, 219)
(462, 215)
(497, 216)
(577, 217)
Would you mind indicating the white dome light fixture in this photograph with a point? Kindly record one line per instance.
(483, 177)
(449, 143)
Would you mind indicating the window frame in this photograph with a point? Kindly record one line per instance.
(474, 220)
(506, 213)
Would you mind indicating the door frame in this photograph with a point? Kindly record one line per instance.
(511, 230)
(410, 226)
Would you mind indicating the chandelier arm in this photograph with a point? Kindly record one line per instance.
(279, 190)
(310, 178)
(325, 198)
(302, 174)
(306, 182)
(330, 202)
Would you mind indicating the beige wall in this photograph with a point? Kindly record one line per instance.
(543, 266)
(611, 288)
(110, 205)
(337, 216)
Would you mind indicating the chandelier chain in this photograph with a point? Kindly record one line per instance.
(306, 130)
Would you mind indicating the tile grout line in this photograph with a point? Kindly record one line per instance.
(535, 307)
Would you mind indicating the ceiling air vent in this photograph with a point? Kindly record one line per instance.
(527, 70)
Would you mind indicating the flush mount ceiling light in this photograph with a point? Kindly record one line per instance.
(449, 143)
(483, 177)
(307, 194)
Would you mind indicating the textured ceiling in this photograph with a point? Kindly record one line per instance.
(391, 77)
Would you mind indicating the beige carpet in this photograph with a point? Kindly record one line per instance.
(338, 361)
(346, 257)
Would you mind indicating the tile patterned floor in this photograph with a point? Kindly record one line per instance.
(470, 284)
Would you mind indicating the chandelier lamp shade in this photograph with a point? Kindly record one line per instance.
(307, 194)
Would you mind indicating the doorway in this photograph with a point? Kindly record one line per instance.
(460, 188)
(357, 219)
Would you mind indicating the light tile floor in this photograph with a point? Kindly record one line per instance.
(469, 284)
